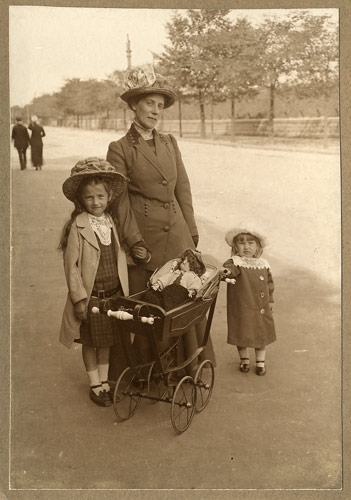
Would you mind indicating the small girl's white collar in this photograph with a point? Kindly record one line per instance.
(250, 262)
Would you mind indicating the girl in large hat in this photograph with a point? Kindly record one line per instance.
(157, 211)
(95, 267)
(250, 297)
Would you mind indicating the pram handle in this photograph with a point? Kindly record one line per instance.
(124, 315)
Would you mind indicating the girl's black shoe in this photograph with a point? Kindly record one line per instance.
(260, 370)
(244, 365)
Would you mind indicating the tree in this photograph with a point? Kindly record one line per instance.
(276, 57)
(235, 54)
(188, 59)
(317, 52)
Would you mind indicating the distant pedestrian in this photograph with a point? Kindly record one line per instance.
(95, 267)
(250, 298)
(20, 138)
(36, 142)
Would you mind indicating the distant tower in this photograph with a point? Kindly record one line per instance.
(129, 53)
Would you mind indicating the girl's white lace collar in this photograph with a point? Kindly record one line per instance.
(250, 262)
(145, 133)
(102, 227)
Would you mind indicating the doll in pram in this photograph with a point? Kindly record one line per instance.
(155, 380)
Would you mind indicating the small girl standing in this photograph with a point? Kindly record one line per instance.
(250, 298)
(95, 267)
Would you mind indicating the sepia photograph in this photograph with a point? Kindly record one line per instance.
(176, 252)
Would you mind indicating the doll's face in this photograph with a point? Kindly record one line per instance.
(246, 245)
(95, 198)
(184, 265)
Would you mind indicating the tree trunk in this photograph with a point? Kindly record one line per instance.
(180, 117)
(232, 115)
(202, 115)
(271, 110)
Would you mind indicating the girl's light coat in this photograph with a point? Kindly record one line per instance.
(81, 261)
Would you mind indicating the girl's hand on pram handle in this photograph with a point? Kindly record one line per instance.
(225, 274)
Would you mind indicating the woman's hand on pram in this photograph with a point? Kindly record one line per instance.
(80, 310)
(140, 253)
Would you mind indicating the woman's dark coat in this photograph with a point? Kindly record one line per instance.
(159, 195)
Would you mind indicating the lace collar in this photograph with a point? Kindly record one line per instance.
(145, 133)
(102, 227)
(250, 262)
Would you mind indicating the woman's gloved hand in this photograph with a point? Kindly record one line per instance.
(140, 253)
(195, 238)
(80, 310)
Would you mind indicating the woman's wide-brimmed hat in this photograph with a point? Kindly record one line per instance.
(245, 229)
(93, 167)
(142, 80)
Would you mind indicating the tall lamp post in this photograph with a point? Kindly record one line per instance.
(129, 65)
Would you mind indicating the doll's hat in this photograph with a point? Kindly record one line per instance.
(93, 167)
(245, 229)
(142, 80)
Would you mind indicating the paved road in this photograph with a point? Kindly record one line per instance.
(278, 431)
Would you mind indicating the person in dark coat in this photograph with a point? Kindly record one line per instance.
(156, 213)
(36, 142)
(20, 139)
(249, 296)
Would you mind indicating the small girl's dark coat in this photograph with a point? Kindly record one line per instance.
(249, 316)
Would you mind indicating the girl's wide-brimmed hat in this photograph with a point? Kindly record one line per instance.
(245, 229)
(93, 167)
(142, 80)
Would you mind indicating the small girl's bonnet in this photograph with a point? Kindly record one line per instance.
(245, 229)
(93, 167)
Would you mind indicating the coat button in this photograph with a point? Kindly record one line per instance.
(261, 278)
(262, 294)
(166, 205)
(166, 228)
(164, 183)
(262, 311)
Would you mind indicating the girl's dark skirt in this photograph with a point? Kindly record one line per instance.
(99, 330)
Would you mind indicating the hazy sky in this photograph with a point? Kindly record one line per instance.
(51, 44)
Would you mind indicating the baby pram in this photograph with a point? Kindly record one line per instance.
(155, 380)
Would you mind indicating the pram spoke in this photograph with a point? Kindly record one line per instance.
(204, 381)
(183, 404)
(126, 396)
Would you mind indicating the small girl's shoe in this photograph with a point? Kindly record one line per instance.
(260, 370)
(244, 365)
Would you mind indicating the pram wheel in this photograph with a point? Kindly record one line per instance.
(183, 404)
(204, 381)
(126, 397)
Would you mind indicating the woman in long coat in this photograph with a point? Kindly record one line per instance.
(158, 214)
(36, 142)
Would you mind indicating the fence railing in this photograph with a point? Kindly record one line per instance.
(282, 127)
